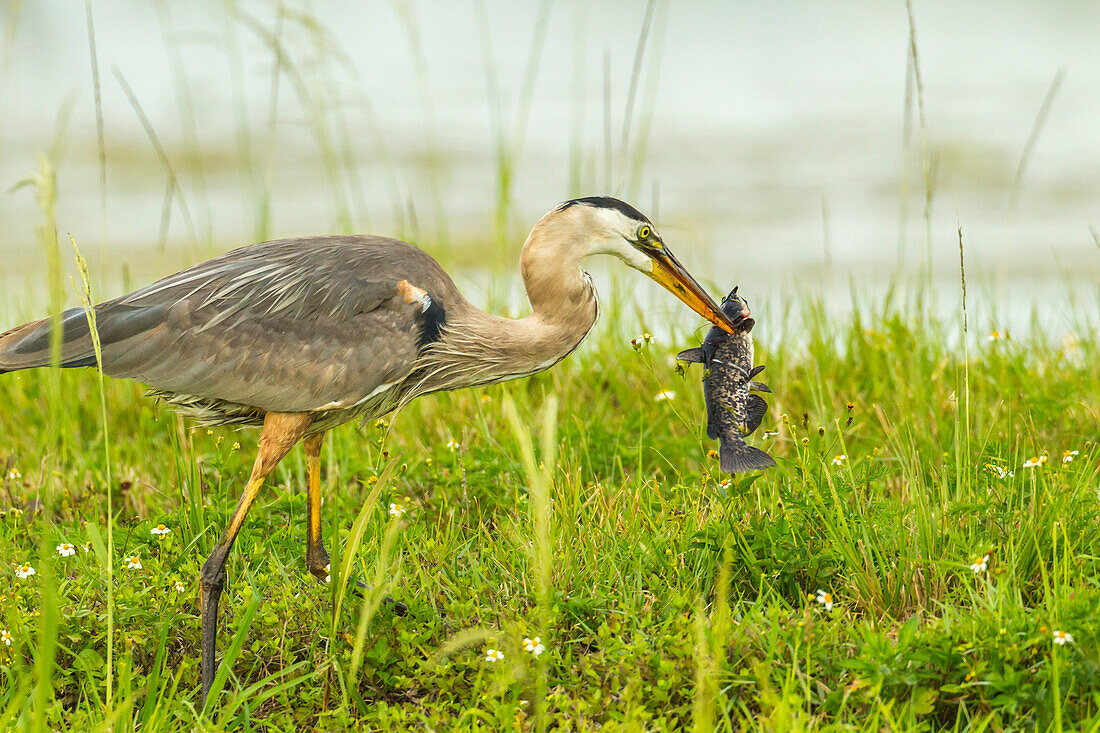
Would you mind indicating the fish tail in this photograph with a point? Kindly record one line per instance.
(739, 456)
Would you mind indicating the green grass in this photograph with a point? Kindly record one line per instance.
(665, 598)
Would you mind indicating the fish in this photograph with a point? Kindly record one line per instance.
(729, 387)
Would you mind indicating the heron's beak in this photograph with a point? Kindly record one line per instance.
(668, 271)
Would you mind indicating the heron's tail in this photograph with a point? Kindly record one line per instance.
(740, 456)
(28, 346)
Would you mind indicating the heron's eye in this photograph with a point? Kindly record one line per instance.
(644, 233)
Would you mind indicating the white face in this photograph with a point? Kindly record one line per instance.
(616, 232)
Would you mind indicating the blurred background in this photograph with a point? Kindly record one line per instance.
(792, 147)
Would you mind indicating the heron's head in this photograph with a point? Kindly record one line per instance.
(614, 227)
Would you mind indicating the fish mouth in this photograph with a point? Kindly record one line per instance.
(675, 278)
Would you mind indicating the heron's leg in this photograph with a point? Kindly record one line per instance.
(281, 431)
(316, 558)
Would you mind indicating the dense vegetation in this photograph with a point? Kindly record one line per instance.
(947, 506)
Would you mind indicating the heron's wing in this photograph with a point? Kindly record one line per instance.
(288, 326)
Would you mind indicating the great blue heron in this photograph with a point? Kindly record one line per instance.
(301, 335)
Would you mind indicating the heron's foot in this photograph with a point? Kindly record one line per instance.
(317, 560)
(360, 589)
(318, 563)
(323, 573)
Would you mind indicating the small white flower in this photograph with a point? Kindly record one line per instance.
(179, 586)
(997, 336)
(453, 445)
(133, 562)
(1067, 456)
(13, 474)
(980, 564)
(397, 510)
(25, 570)
(825, 599)
(1061, 638)
(769, 434)
(328, 573)
(5, 636)
(1035, 462)
(839, 460)
(66, 550)
(535, 646)
(493, 655)
(999, 471)
(160, 529)
(667, 394)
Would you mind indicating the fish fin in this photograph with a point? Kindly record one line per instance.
(695, 355)
(757, 408)
(756, 370)
(738, 456)
(759, 387)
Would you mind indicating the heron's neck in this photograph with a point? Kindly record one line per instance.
(564, 308)
(560, 292)
(563, 304)
(481, 348)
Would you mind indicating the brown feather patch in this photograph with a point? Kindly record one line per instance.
(412, 294)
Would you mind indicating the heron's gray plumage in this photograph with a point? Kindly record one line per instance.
(338, 326)
(297, 325)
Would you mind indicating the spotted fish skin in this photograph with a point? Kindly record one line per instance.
(733, 411)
